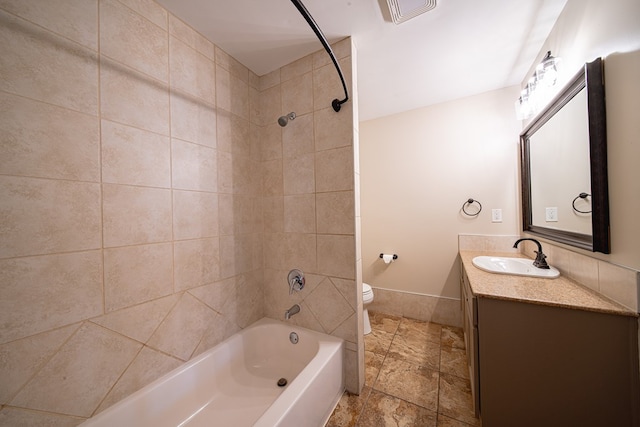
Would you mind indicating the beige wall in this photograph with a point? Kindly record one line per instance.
(417, 169)
(131, 189)
(587, 29)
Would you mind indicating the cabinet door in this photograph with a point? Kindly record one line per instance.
(469, 305)
(551, 366)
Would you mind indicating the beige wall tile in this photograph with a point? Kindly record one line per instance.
(300, 252)
(329, 306)
(180, 333)
(194, 167)
(269, 80)
(269, 140)
(299, 175)
(74, 19)
(41, 140)
(298, 137)
(248, 307)
(239, 254)
(386, 301)
(22, 45)
(334, 170)
(40, 216)
(333, 130)
(269, 107)
(233, 134)
(348, 290)
(619, 283)
(222, 329)
(335, 212)
(272, 178)
(147, 367)
(191, 72)
(300, 213)
(232, 94)
(193, 120)
(150, 10)
(229, 63)
(15, 416)
(336, 255)
(46, 292)
(216, 295)
(140, 321)
(196, 263)
(21, 359)
(297, 68)
(132, 98)
(127, 37)
(195, 214)
(78, 377)
(297, 94)
(341, 49)
(327, 85)
(134, 156)
(135, 215)
(273, 214)
(240, 214)
(136, 274)
(348, 330)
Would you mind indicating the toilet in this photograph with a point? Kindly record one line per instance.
(367, 298)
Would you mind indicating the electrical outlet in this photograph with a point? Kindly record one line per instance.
(496, 215)
(551, 214)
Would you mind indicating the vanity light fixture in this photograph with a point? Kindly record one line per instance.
(539, 88)
(403, 10)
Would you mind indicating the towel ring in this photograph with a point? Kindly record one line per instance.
(580, 196)
(470, 202)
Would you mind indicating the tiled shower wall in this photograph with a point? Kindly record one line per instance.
(130, 203)
(310, 199)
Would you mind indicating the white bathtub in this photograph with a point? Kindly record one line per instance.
(235, 384)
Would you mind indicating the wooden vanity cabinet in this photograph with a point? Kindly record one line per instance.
(541, 365)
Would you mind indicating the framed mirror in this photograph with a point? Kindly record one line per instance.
(565, 194)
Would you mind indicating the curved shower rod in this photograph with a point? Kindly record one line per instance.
(336, 104)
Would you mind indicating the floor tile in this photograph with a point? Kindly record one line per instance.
(413, 383)
(455, 399)
(415, 375)
(454, 361)
(415, 349)
(385, 410)
(418, 329)
(373, 363)
(348, 409)
(452, 337)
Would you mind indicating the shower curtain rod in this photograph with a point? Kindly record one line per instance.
(336, 104)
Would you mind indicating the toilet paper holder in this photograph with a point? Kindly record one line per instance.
(394, 256)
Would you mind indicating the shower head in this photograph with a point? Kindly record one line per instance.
(283, 120)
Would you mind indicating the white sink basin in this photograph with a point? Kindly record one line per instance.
(516, 266)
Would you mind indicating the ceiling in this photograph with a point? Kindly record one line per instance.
(461, 48)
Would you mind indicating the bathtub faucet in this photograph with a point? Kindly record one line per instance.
(295, 309)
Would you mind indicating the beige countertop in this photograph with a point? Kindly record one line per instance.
(560, 292)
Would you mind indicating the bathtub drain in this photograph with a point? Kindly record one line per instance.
(282, 382)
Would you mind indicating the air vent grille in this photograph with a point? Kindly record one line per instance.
(403, 10)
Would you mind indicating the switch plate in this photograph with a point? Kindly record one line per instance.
(496, 215)
(551, 214)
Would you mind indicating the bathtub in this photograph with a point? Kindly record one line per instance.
(235, 384)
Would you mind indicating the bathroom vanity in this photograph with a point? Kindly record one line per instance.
(548, 352)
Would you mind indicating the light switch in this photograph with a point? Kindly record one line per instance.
(551, 215)
(496, 215)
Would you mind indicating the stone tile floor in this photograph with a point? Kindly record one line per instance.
(416, 375)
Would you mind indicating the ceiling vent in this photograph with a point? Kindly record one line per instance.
(403, 10)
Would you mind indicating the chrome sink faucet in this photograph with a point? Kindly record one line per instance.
(295, 309)
(540, 261)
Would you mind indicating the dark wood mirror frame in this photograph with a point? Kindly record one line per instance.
(591, 77)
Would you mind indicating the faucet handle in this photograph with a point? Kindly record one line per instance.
(296, 280)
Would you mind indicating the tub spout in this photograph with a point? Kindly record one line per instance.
(293, 310)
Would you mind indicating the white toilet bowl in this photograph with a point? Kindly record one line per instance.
(367, 298)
